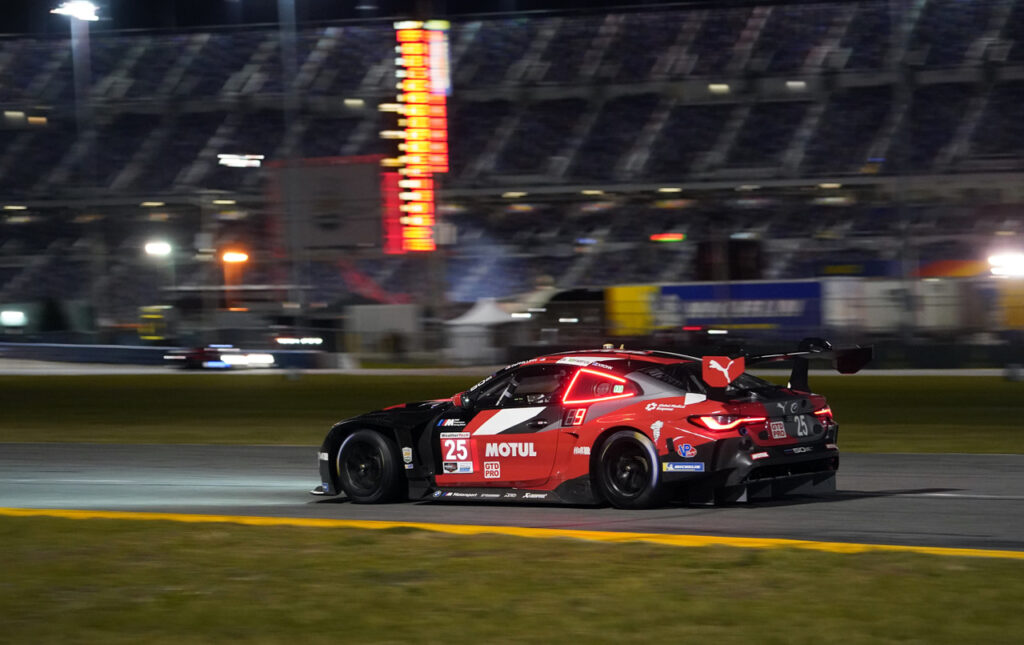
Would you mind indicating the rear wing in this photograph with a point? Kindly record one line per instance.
(847, 360)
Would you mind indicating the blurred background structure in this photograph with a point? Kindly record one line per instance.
(667, 176)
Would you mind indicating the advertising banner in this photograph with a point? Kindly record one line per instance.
(792, 305)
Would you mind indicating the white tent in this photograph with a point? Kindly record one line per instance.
(471, 337)
(485, 312)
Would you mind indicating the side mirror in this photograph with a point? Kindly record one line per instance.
(463, 400)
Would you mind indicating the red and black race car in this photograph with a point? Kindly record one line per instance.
(630, 428)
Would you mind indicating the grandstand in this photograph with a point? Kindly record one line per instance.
(913, 106)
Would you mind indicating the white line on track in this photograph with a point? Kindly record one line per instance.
(963, 496)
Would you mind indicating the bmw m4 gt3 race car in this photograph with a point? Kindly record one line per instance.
(630, 428)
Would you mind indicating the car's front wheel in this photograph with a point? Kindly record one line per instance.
(627, 471)
(368, 468)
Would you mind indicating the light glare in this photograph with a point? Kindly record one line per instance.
(158, 248)
(12, 318)
(1007, 264)
(78, 9)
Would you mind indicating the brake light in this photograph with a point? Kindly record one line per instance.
(591, 386)
(724, 422)
(823, 413)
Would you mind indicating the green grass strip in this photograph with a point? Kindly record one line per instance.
(876, 413)
(117, 581)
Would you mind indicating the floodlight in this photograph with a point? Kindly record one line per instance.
(78, 9)
(234, 257)
(13, 318)
(158, 248)
(1007, 264)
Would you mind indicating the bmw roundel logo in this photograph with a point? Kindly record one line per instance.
(437, 493)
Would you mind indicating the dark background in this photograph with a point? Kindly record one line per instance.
(33, 16)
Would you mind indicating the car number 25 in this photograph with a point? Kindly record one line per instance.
(455, 449)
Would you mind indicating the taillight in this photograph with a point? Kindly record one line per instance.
(824, 415)
(724, 422)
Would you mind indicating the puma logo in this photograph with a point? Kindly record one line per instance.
(715, 365)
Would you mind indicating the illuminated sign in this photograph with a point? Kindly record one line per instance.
(422, 128)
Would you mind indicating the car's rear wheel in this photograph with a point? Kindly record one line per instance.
(627, 471)
(368, 468)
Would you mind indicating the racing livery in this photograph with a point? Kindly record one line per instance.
(630, 428)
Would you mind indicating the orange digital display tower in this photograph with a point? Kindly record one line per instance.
(421, 130)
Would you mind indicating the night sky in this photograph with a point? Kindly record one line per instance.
(32, 16)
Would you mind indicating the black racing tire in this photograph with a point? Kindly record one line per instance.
(369, 470)
(627, 471)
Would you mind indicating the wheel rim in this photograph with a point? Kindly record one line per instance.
(364, 466)
(627, 470)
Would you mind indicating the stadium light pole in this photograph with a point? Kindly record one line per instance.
(293, 216)
(80, 13)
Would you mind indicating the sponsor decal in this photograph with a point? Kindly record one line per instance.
(457, 467)
(535, 495)
(686, 450)
(407, 455)
(511, 495)
(451, 423)
(656, 429)
(798, 450)
(831, 446)
(409, 466)
(720, 371)
(778, 430)
(759, 455)
(581, 450)
(438, 493)
(683, 467)
(576, 360)
(492, 470)
(510, 449)
(788, 408)
(603, 366)
(461, 494)
(325, 486)
(324, 456)
(663, 407)
(490, 495)
(455, 435)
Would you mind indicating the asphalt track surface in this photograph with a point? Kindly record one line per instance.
(958, 501)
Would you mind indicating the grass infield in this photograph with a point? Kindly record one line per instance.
(876, 413)
(115, 581)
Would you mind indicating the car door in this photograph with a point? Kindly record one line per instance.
(510, 439)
